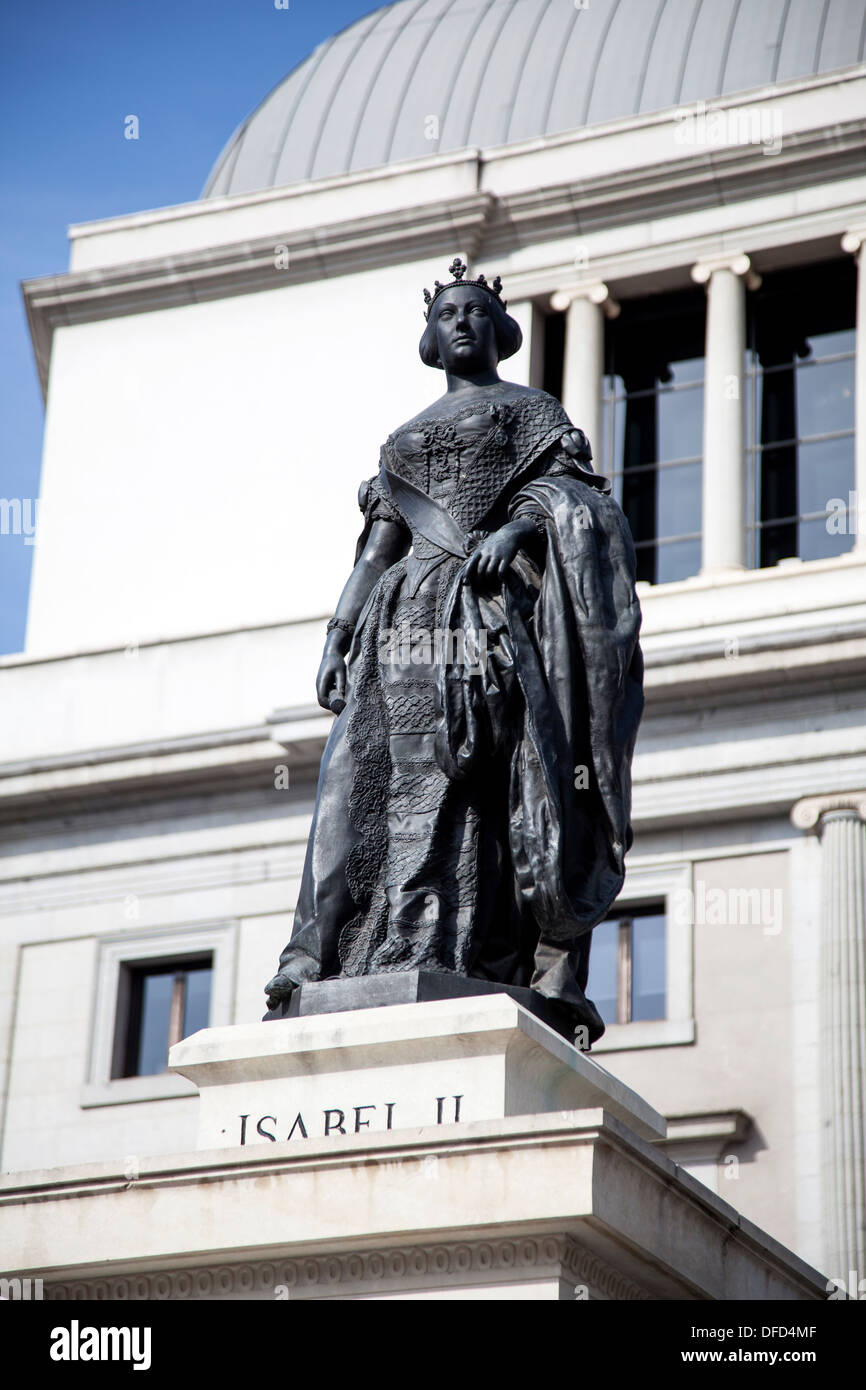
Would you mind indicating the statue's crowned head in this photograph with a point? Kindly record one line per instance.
(484, 296)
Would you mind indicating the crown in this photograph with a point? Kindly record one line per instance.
(458, 270)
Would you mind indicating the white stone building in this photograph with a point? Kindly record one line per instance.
(675, 196)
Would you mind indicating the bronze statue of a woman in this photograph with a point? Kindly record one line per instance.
(472, 814)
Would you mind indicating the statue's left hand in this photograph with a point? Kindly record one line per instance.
(490, 561)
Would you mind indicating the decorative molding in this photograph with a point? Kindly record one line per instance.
(595, 291)
(738, 263)
(808, 813)
(391, 1269)
(852, 241)
(705, 1134)
(597, 1275)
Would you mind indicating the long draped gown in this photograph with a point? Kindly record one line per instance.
(451, 831)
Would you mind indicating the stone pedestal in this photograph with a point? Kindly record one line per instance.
(543, 1185)
(451, 1061)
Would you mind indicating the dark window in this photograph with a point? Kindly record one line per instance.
(652, 428)
(554, 356)
(158, 1004)
(628, 961)
(800, 413)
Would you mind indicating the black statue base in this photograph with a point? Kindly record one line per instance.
(412, 987)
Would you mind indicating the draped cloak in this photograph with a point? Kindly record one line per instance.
(569, 640)
(473, 815)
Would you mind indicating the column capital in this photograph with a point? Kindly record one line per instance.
(596, 291)
(807, 814)
(735, 261)
(853, 240)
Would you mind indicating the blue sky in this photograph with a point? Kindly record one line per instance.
(191, 70)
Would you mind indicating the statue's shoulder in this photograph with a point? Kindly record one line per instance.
(533, 398)
(534, 409)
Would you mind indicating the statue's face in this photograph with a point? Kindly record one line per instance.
(465, 332)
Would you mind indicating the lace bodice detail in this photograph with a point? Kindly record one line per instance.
(467, 458)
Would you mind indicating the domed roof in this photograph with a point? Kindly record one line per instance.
(426, 76)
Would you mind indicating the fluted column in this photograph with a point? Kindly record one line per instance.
(841, 823)
(724, 471)
(586, 307)
(855, 242)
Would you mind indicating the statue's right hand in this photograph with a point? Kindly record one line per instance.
(331, 682)
(280, 988)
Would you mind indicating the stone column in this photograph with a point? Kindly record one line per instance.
(841, 823)
(526, 367)
(583, 366)
(724, 473)
(855, 242)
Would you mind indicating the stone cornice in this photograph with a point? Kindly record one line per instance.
(482, 224)
(270, 262)
(465, 159)
(787, 640)
(767, 668)
(234, 760)
(687, 184)
(713, 798)
(704, 1135)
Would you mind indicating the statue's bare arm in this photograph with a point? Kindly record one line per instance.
(386, 543)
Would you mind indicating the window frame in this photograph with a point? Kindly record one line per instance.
(645, 310)
(129, 1013)
(651, 883)
(122, 953)
(625, 916)
(754, 448)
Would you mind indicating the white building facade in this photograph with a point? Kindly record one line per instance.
(678, 212)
